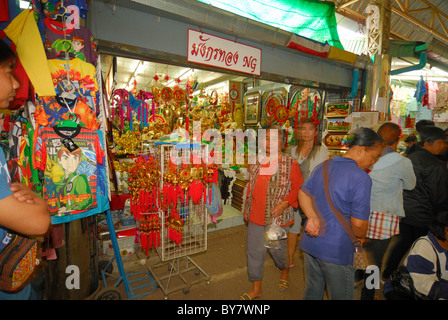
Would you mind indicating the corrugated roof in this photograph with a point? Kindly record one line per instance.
(405, 28)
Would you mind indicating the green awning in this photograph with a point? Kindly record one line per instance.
(312, 19)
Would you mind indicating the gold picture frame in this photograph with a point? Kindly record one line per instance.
(252, 108)
(337, 110)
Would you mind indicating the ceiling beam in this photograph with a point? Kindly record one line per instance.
(353, 15)
(342, 5)
(422, 25)
(402, 10)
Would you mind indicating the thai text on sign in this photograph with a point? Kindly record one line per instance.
(204, 48)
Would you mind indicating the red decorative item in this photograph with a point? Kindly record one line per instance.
(121, 98)
(316, 122)
(167, 94)
(270, 106)
(195, 191)
(281, 113)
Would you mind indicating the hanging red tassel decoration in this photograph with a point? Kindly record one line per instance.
(195, 191)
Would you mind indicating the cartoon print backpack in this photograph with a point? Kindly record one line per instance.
(18, 260)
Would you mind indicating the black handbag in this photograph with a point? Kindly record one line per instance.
(403, 285)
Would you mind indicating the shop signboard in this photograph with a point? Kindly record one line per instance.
(207, 49)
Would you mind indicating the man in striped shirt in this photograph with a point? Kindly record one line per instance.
(427, 262)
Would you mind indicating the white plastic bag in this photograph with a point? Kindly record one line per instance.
(273, 233)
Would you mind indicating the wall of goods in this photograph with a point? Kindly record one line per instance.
(53, 133)
(427, 100)
(142, 119)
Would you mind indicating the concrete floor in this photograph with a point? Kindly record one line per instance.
(219, 273)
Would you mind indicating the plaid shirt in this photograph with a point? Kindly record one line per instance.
(382, 226)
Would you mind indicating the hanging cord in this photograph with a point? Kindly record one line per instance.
(66, 104)
(64, 29)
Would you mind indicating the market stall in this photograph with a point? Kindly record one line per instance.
(148, 159)
(426, 100)
(58, 139)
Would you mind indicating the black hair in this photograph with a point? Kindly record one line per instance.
(438, 225)
(431, 133)
(411, 138)
(365, 137)
(6, 53)
(423, 123)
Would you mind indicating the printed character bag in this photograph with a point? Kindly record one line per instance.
(18, 260)
(360, 261)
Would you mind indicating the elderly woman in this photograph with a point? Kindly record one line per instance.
(328, 249)
(272, 194)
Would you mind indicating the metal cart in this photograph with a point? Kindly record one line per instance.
(141, 280)
(176, 270)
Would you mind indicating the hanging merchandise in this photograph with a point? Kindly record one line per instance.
(174, 225)
(162, 205)
(75, 41)
(149, 231)
(183, 201)
(63, 119)
(289, 107)
(215, 207)
(68, 155)
(183, 224)
(144, 181)
(274, 110)
(51, 110)
(433, 88)
(171, 188)
(425, 98)
(56, 137)
(24, 33)
(210, 177)
(53, 8)
(137, 112)
(76, 77)
(420, 91)
(442, 96)
(440, 112)
(196, 188)
(144, 189)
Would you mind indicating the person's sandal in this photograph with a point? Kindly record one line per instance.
(283, 285)
(245, 296)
